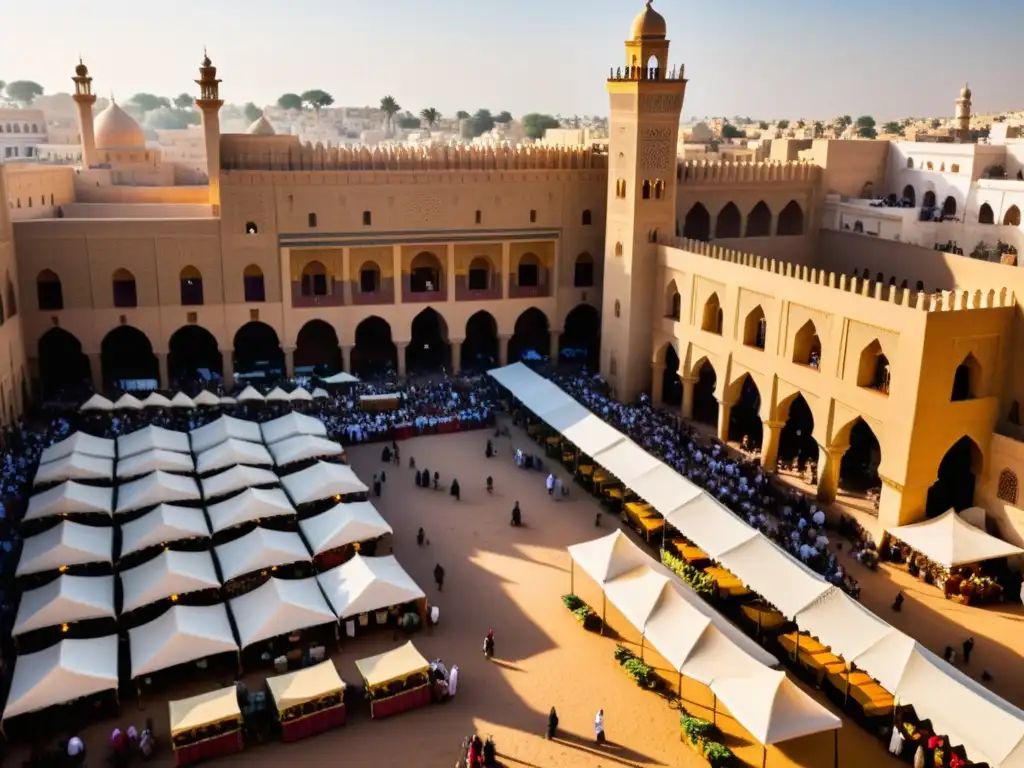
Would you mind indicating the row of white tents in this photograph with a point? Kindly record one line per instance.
(990, 728)
(72, 669)
(205, 399)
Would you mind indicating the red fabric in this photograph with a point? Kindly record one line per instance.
(419, 697)
(225, 744)
(321, 721)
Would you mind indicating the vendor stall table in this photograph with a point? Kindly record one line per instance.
(308, 701)
(728, 584)
(872, 698)
(206, 726)
(765, 618)
(393, 671)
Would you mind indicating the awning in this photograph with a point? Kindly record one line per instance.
(167, 523)
(949, 540)
(277, 395)
(206, 398)
(366, 584)
(303, 448)
(79, 442)
(181, 400)
(67, 543)
(235, 479)
(290, 425)
(232, 452)
(70, 498)
(205, 709)
(184, 633)
(251, 505)
(259, 549)
(320, 394)
(65, 600)
(323, 480)
(77, 466)
(250, 395)
(305, 685)
(711, 525)
(280, 607)
(608, 557)
(626, 460)
(61, 673)
(299, 394)
(151, 438)
(403, 661)
(156, 400)
(152, 461)
(226, 427)
(340, 378)
(97, 403)
(169, 573)
(343, 524)
(127, 402)
(156, 488)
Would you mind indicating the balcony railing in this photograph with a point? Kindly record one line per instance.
(385, 294)
(334, 297)
(464, 293)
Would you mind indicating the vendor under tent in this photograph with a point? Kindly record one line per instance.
(181, 400)
(304, 448)
(299, 394)
(149, 439)
(323, 480)
(250, 395)
(168, 576)
(308, 701)
(180, 635)
(278, 608)
(76, 466)
(235, 479)
(127, 402)
(66, 601)
(291, 425)
(232, 452)
(277, 395)
(226, 427)
(333, 531)
(70, 498)
(949, 540)
(251, 505)
(155, 400)
(366, 585)
(79, 442)
(153, 461)
(156, 488)
(340, 378)
(66, 545)
(205, 727)
(97, 403)
(396, 680)
(207, 399)
(164, 525)
(260, 550)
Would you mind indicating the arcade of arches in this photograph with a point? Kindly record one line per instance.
(730, 222)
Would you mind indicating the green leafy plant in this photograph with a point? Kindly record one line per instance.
(585, 615)
(642, 673)
(718, 755)
(697, 729)
(572, 602)
(702, 584)
(623, 654)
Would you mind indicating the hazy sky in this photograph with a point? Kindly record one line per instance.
(788, 58)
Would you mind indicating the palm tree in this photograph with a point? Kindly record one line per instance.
(390, 108)
(430, 117)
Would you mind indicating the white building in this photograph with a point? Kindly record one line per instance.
(21, 132)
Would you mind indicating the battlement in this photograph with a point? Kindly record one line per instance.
(273, 154)
(943, 301)
(619, 74)
(705, 172)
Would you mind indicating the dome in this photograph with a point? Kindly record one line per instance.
(116, 129)
(261, 127)
(965, 92)
(81, 70)
(649, 24)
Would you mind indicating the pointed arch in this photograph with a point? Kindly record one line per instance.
(910, 195)
(858, 469)
(671, 383)
(192, 350)
(49, 292)
(1012, 217)
(126, 355)
(759, 220)
(791, 219)
(966, 380)
(253, 285)
(374, 350)
(949, 206)
(531, 337)
(697, 223)
(807, 346)
(191, 283)
(428, 348)
(986, 215)
(63, 367)
(257, 349)
(480, 348)
(729, 222)
(673, 301)
(873, 371)
(705, 404)
(796, 440)
(955, 480)
(581, 339)
(755, 328)
(745, 424)
(712, 317)
(929, 199)
(124, 290)
(317, 350)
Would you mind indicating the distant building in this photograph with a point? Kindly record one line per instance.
(21, 132)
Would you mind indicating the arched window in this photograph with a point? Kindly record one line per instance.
(729, 222)
(48, 291)
(314, 279)
(949, 207)
(712, 317)
(479, 277)
(426, 274)
(586, 218)
(528, 271)
(858, 226)
(250, 228)
(791, 219)
(659, 189)
(191, 287)
(252, 281)
(312, 220)
(583, 276)
(966, 379)
(369, 277)
(1012, 217)
(618, 308)
(1007, 488)
(910, 195)
(618, 249)
(759, 221)
(910, 163)
(873, 371)
(755, 328)
(673, 301)
(928, 201)
(985, 214)
(645, 190)
(697, 223)
(533, 216)
(125, 294)
(807, 346)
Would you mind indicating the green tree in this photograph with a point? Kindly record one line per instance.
(147, 102)
(165, 118)
(847, 120)
(290, 101)
(866, 127)
(839, 125)
(763, 125)
(252, 112)
(503, 118)
(317, 99)
(483, 121)
(535, 125)
(783, 124)
(819, 127)
(184, 101)
(430, 117)
(408, 122)
(24, 91)
(801, 124)
(892, 127)
(461, 115)
(730, 131)
(390, 107)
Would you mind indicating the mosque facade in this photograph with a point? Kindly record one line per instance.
(741, 294)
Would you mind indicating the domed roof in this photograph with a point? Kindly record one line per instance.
(965, 92)
(262, 127)
(649, 24)
(116, 129)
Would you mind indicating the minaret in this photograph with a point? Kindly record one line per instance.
(963, 114)
(209, 104)
(84, 99)
(646, 101)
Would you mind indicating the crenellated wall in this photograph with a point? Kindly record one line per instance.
(696, 172)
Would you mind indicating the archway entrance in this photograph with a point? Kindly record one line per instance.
(581, 339)
(257, 351)
(671, 384)
(429, 349)
(858, 470)
(745, 416)
(955, 484)
(697, 224)
(796, 441)
(910, 195)
(316, 350)
(63, 367)
(193, 354)
(480, 349)
(530, 340)
(705, 405)
(374, 351)
(127, 359)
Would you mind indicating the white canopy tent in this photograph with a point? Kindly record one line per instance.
(184, 633)
(320, 394)
(79, 442)
(608, 557)
(713, 526)
(343, 524)
(70, 497)
(949, 540)
(277, 395)
(77, 466)
(232, 452)
(65, 600)
(250, 505)
(127, 402)
(322, 480)
(169, 573)
(340, 378)
(206, 398)
(235, 479)
(259, 549)
(156, 488)
(181, 400)
(626, 460)
(164, 524)
(155, 400)
(149, 439)
(290, 425)
(299, 394)
(279, 607)
(153, 461)
(227, 400)
(250, 395)
(303, 448)
(366, 584)
(226, 427)
(61, 673)
(67, 543)
(97, 403)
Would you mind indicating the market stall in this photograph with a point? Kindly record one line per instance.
(292, 425)
(396, 681)
(376, 586)
(308, 701)
(206, 726)
(335, 534)
(387, 402)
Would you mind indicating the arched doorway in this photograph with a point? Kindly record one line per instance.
(949, 207)
(858, 470)
(374, 351)
(910, 195)
(193, 354)
(126, 355)
(929, 199)
(697, 225)
(426, 275)
(729, 222)
(1012, 217)
(531, 340)
(956, 476)
(257, 350)
(791, 219)
(581, 340)
(745, 416)
(759, 220)
(796, 441)
(480, 349)
(705, 404)
(317, 350)
(671, 384)
(985, 214)
(428, 349)
(63, 367)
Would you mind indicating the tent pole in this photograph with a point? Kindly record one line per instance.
(796, 651)
(680, 684)
(572, 576)
(642, 646)
(604, 606)
(714, 708)
(764, 755)
(849, 671)
(835, 751)
(758, 623)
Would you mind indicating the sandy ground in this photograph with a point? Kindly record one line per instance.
(511, 580)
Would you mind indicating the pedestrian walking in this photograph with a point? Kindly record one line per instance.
(599, 727)
(439, 577)
(968, 646)
(421, 536)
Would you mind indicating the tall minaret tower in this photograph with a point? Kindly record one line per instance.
(209, 104)
(963, 115)
(84, 99)
(646, 102)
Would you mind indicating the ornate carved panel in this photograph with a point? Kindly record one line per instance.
(661, 102)
(423, 207)
(656, 155)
